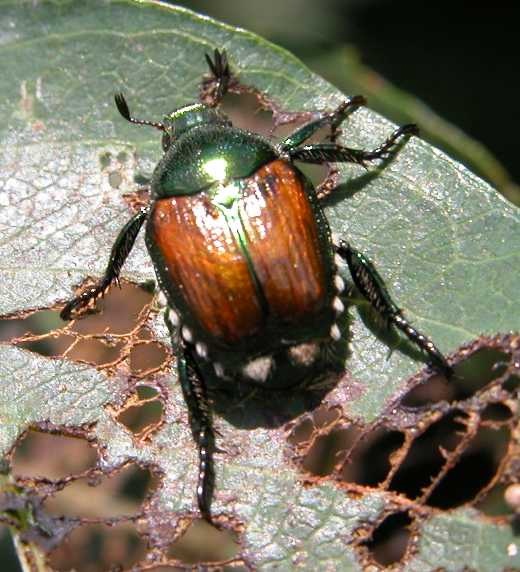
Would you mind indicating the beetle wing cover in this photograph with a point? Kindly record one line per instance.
(283, 242)
(235, 267)
(205, 266)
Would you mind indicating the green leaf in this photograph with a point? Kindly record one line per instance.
(446, 243)
(461, 537)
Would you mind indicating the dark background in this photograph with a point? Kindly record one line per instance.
(460, 58)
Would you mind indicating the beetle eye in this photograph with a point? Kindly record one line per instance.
(166, 140)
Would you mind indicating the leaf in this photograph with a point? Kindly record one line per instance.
(449, 541)
(446, 243)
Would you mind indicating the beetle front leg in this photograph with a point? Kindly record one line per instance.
(119, 253)
(333, 120)
(196, 398)
(333, 153)
(371, 286)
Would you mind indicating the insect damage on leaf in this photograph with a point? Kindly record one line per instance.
(438, 445)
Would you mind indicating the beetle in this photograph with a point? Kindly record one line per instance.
(243, 252)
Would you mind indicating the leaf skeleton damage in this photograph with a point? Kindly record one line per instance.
(243, 252)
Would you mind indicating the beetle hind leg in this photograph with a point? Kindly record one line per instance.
(196, 398)
(372, 288)
(195, 395)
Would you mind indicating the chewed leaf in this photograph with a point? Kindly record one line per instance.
(447, 245)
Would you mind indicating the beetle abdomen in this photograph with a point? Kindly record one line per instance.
(243, 258)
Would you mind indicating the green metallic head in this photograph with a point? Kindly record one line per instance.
(203, 152)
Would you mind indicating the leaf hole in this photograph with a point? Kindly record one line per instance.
(118, 312)
(512, 383)
(326, 416)
(302, 432)
(390, 539)
(115, 179)
(147, 357)
(35, 323)
(327, 450)
(202, 542)
(425, 459)
(246, 112)
(437, 388)
(471, 375)
(497, 412)
(475, 469)
(52, 456)
(371, 459)
(99, 547)
(104, 339)
(143, 413)
(137, 484)
(33, 332)
(320, 420)
(99, 352)
(104, 497)
(146, 392)
(474, 373)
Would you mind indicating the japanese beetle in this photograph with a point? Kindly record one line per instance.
(243, 252)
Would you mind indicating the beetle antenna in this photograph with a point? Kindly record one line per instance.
(122, 107)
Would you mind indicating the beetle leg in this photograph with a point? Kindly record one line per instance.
(196, 398)
(120, 250)
(333, 153)
(220, 76)
(333, 120)
(371, 286)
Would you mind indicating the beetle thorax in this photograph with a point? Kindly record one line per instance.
(186, 118)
